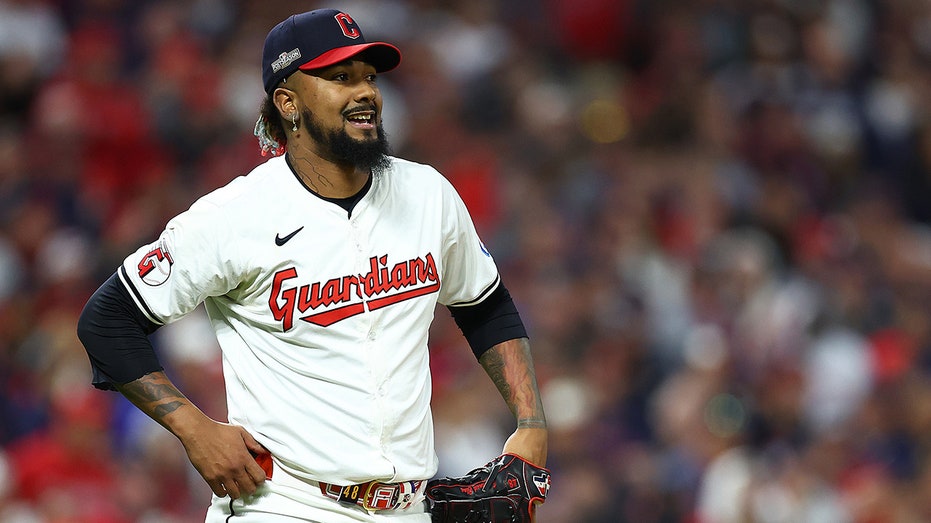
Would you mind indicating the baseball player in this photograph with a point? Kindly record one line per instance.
(320, 271)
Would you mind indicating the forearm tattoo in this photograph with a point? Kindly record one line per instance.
(154, 394)
(510, 367)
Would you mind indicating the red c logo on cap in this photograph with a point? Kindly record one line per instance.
(348, 25)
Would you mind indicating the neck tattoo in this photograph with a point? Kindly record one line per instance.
(304, 167)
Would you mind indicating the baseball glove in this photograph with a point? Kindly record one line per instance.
(505, 490)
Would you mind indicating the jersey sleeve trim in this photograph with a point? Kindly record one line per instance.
(137, 298)
(482, 295)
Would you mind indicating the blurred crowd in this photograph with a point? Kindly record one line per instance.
(714, 216)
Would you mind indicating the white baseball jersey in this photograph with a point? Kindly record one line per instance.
(322, 317)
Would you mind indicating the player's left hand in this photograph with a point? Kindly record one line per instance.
(528, 443)
(506, 490)
(531, 445)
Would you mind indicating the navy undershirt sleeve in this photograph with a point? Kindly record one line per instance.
(115, 335)
(492, 321)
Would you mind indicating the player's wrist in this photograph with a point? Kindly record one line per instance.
(187, 422)
(531, 423)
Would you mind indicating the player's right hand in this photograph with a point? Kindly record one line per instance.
(223, 455)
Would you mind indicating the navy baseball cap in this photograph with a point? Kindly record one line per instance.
(316, 39)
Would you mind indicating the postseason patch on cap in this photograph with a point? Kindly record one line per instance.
(285, 59)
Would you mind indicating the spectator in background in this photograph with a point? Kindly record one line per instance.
(32, 44)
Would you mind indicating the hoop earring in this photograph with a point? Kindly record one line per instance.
(294, 121)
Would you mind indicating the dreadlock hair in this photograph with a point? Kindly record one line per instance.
(269, 129)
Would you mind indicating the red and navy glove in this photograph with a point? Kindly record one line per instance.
(505, 490)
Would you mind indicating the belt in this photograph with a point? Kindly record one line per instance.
(374, 495)
(371, 495)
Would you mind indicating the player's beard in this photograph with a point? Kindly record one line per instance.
(368, 155)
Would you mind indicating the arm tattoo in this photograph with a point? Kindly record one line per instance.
(154, 394)
(167, 408)
(510, 367)
(494, 366)
(531, 424)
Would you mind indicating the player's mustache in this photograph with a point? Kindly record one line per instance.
(360, 108)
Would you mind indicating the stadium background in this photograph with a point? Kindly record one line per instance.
(713, 214)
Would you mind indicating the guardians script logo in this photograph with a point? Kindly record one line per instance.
(325, 303)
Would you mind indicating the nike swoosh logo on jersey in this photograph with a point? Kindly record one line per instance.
(279, 241)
